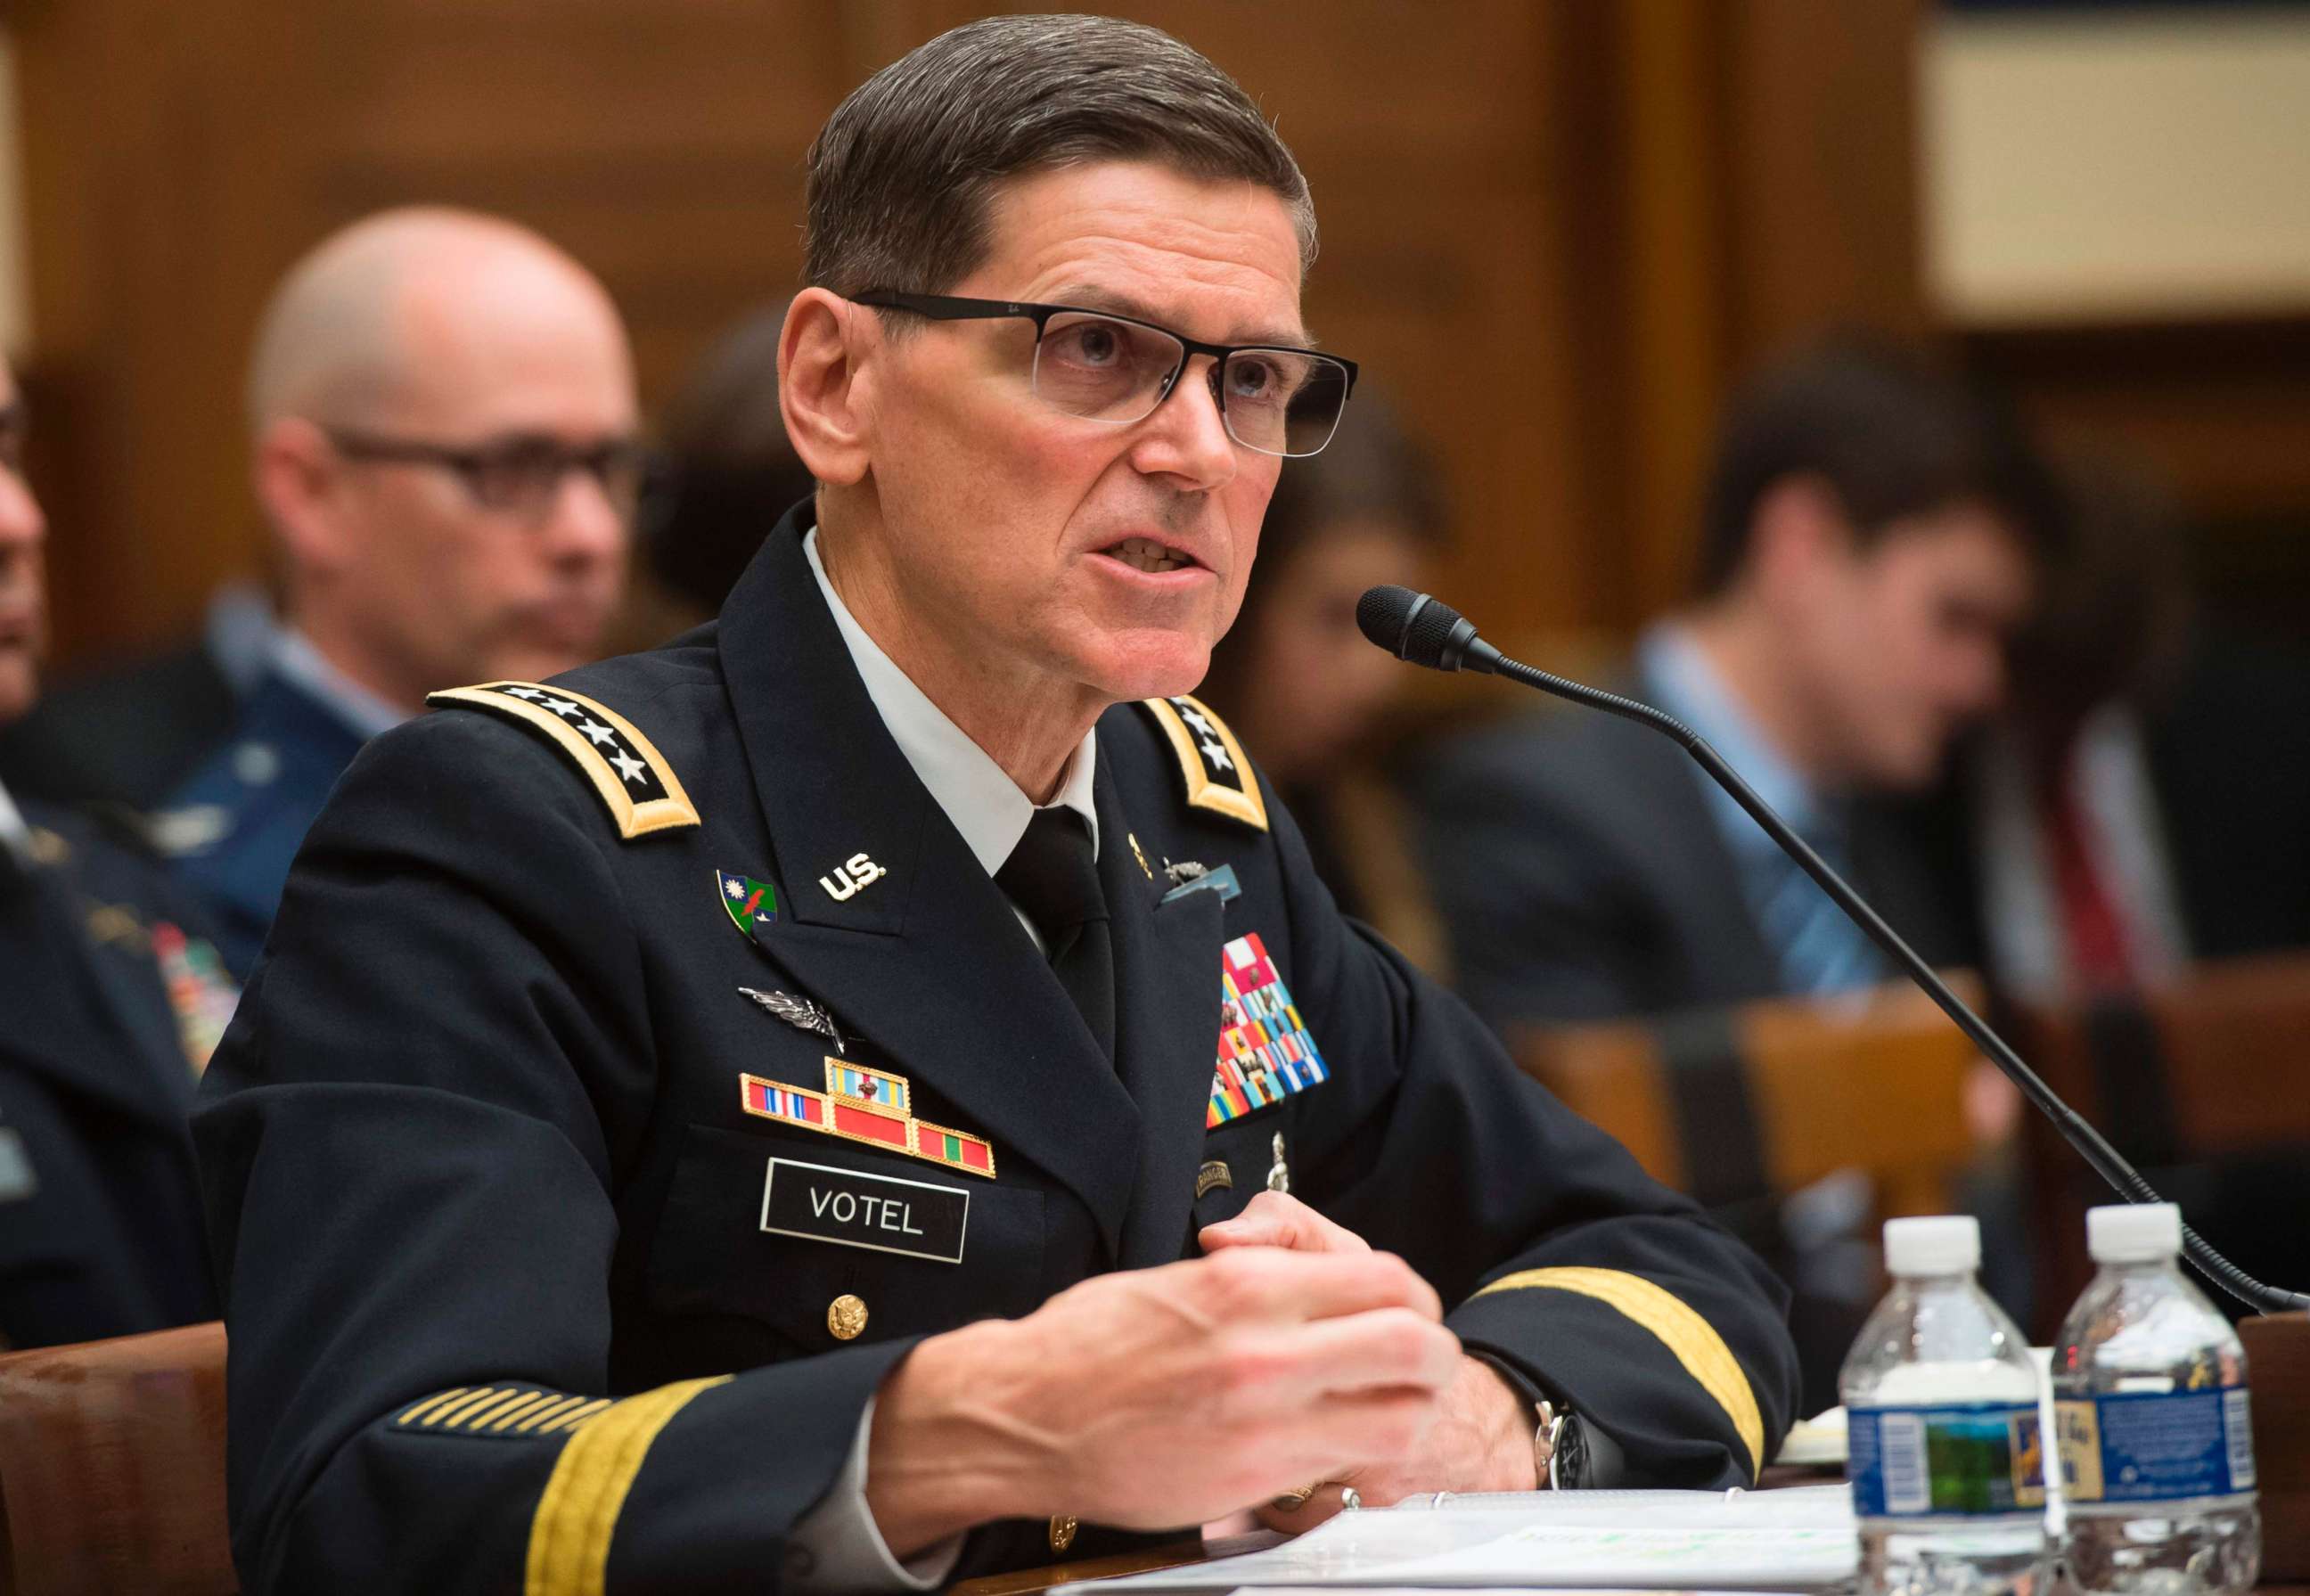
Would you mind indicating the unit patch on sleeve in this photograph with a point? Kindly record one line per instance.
(1266, 1053)
(635, 783)
(1211, 760)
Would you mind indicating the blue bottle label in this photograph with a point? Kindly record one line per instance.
(2157, 1445)
(1958, 1460)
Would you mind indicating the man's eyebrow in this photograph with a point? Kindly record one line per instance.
(1090, 297)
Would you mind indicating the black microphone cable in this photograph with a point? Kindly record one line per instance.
(1422, 630)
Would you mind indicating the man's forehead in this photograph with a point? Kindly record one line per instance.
(1219, 260)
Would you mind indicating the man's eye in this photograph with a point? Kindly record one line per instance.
(513, 474)
(1260, 378)
(1091, 343)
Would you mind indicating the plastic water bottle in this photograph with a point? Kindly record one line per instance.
(1945, 1446)
(2149, 1400)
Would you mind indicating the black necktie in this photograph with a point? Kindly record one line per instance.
(1053, 876)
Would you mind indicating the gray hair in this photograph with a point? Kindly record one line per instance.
(901, 175)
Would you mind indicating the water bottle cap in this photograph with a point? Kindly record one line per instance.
(1946, 1244)
(2133, 1232)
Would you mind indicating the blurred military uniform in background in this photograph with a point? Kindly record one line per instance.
(109, 1002)
(113, 1002)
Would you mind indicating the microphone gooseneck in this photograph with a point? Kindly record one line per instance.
(1425, 631)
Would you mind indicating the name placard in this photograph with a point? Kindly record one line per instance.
(879, 1212)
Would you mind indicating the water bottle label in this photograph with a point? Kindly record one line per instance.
(2156, 1446)
(1963, 1459)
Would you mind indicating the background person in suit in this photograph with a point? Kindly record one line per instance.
(1871, 533)
(112, 1002)
(443, 415)
(1870, 541)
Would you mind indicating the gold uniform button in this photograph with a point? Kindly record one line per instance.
(846, 1316)
(1063, 1530)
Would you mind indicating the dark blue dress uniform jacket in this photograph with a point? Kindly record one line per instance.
(99, 1211)
(477, 1130)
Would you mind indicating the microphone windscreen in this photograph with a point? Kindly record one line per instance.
(1380, 614)
(1412, 625)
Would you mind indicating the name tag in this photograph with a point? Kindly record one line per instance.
(879, 1212)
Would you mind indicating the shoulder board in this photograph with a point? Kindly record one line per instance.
(635, 784)
(1211, 760)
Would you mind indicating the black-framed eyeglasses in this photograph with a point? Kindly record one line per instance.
(519, 475)
(1102, 367)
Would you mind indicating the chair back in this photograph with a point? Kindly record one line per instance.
(1768, 1098)
(112, 1467)
(2200, 1084)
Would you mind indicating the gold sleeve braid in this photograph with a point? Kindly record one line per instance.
(1690, 1338)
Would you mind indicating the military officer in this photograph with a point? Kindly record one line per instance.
(441, 412)
(874, 1091)
(111, 1001)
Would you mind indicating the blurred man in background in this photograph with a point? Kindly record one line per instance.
(1871, 538)
(723, 473)
(443, 412)
(1870, 542)
(112, 1003)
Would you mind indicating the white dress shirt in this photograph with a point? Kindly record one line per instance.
(837, 1546)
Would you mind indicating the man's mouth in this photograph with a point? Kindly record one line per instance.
(1145, 554)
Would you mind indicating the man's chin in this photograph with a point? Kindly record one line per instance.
(1157, 664)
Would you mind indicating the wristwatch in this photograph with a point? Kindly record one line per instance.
(1559, 1448)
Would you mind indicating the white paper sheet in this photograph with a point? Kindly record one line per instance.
(1681, 1541)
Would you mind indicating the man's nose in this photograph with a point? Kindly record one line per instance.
(22, 523)
(585, 524)
(1187, 436)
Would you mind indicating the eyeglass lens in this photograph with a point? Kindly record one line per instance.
(524, 478)
(1279, 402)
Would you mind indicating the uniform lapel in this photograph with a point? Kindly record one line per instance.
(924, 963)
(1166, 982)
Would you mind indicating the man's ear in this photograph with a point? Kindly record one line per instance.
(1799, 532)
(822, 392)
(299, 482)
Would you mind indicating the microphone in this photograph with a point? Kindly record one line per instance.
(1423, 630)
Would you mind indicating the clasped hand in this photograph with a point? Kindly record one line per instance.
(1290, 1354)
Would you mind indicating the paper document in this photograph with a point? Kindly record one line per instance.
(1680, 1540)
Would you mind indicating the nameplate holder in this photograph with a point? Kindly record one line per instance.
(879, 1213)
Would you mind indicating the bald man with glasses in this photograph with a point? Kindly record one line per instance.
(874, 1091)
(442, 417)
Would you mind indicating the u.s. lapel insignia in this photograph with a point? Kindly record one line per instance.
(863, 1104)
(1212, 766)
(800, 1013)
(1266, 1054)
(748, 902)
(850, 876)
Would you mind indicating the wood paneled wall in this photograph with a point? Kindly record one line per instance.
(1553, 228)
